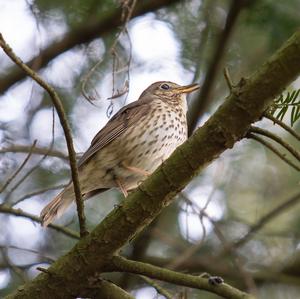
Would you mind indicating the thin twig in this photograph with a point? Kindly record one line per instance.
(44, 270)
(262, 222)
(36, 151)
(191, 250)
(19, 168)
(30, 171)
(267, 218)
(88, 31)
(205, 9)
(48, 259)
(84, 81)
(282, 124)
(273, 149)
(127, 11)
(65, 125)
(249, 281)
(159, 289)
(18, 271)
(276, 138)
(247, 276)
(18, 212)
(228, 79)
(199, 105)
(38, 192)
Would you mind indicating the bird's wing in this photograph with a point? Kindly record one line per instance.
(116, 126)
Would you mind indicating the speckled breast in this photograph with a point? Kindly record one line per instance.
(151, 141)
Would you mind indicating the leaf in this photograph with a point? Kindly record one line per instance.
(281, 106)
(295, 96)
(295, 114)
(282, 112)
(288, 98)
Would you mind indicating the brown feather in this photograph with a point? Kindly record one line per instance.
(117, 125)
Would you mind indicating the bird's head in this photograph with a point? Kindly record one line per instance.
(168, 90)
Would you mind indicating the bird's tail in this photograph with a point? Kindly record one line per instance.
(57, 206)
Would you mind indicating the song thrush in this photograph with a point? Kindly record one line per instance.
(134, 142)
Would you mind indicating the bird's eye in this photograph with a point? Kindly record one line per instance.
(165, 86)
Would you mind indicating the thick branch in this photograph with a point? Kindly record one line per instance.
(84, 34)
(245, 105)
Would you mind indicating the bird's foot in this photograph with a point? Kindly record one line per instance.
(136, 170)
(122, 187)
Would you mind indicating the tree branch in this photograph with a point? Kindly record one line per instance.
(263, 221)
(123, 265)
(277, 139)
(36, 150)
(198, 106)
(217, 266)
(37, 192)
(160, 290)
(282, 124)
(229, 124)
(19, 168)
(273, 149)
(65, 125)
(20, 213)
(104, 289)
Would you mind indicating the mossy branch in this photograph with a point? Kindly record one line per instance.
(226, 291)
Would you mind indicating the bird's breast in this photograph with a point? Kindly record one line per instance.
(154, 137)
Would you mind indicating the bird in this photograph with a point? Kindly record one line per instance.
(133, 143)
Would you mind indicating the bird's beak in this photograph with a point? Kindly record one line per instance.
(187, 88)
